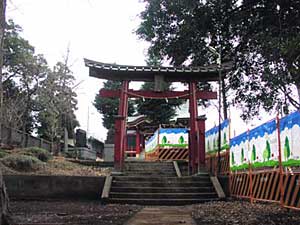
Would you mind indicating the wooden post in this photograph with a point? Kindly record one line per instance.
(250, 170)
(215, 164)
(250, 182)
(193, 108)
(280, 162)
(137, 143)
(118, 143)
(201, 141)
(120, 128)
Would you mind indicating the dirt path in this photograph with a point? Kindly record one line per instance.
(163, 215)
(70, 212)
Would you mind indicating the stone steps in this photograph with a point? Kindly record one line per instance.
(152, 195)
(153, 173)
(163, 201)
(160, 184)
(162, 189)
(155, 178)
(156, 183)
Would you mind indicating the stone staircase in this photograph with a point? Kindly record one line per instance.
(156, 183)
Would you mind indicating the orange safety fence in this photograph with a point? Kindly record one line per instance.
(168, 154)
(264, 185)
(211, 162)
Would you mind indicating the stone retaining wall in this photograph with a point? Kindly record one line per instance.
(53, 187)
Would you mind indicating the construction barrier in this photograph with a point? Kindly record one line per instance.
(266, 186)
(212, 165)
(168, 154)
(263, 164)
(168, 144)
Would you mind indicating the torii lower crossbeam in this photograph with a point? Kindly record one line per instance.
(105, 93)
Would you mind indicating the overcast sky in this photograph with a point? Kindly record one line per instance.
(96, 29)
(101, 30)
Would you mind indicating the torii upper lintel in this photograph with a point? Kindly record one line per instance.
(148, 73)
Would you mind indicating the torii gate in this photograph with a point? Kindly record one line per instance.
(190, 75)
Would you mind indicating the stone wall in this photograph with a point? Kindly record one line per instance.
(17, 138)
(53, 187)
(108, 152)
(224, 181)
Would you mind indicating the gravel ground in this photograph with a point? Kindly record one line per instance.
(70, 212)
(242, 212)
(92, 213)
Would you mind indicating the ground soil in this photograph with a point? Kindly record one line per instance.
(60, 166)
(92, 212)
(70, 212)
(242, 212)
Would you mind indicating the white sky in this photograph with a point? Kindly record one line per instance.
(100, 30)
(96, 29)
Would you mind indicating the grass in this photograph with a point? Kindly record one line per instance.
(3, 153)
(240, 167)
(22, 163)
(223, 148)
(40, 153)
(174, 145)
(271, 163)
(291, 162)
(37, 161)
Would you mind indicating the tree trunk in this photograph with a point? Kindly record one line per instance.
(2, 30)
(5, 218)
(298, 90)
(66, 137)
(225, 105)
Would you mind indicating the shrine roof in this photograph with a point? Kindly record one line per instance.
(147, 73)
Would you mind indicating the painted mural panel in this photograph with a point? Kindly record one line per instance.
(152, 143)
(212, 138)
(263, 145)
(225, 135)
(290, 139)
(173, 137)
(239, 157)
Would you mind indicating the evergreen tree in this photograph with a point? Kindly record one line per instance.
(253, 155)
(286, 150)
(267, 152)
(109, 107)
(232, 158)
(242, 155)
(225, 139)
(57, 104)
(24, 70)
(159, 111)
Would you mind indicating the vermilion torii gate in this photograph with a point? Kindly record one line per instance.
(190, 75)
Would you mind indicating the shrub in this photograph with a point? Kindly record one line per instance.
(23, 163)
(70, 154)
(3, 153)
(40, 153)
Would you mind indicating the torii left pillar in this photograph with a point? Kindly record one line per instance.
(120, 128)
